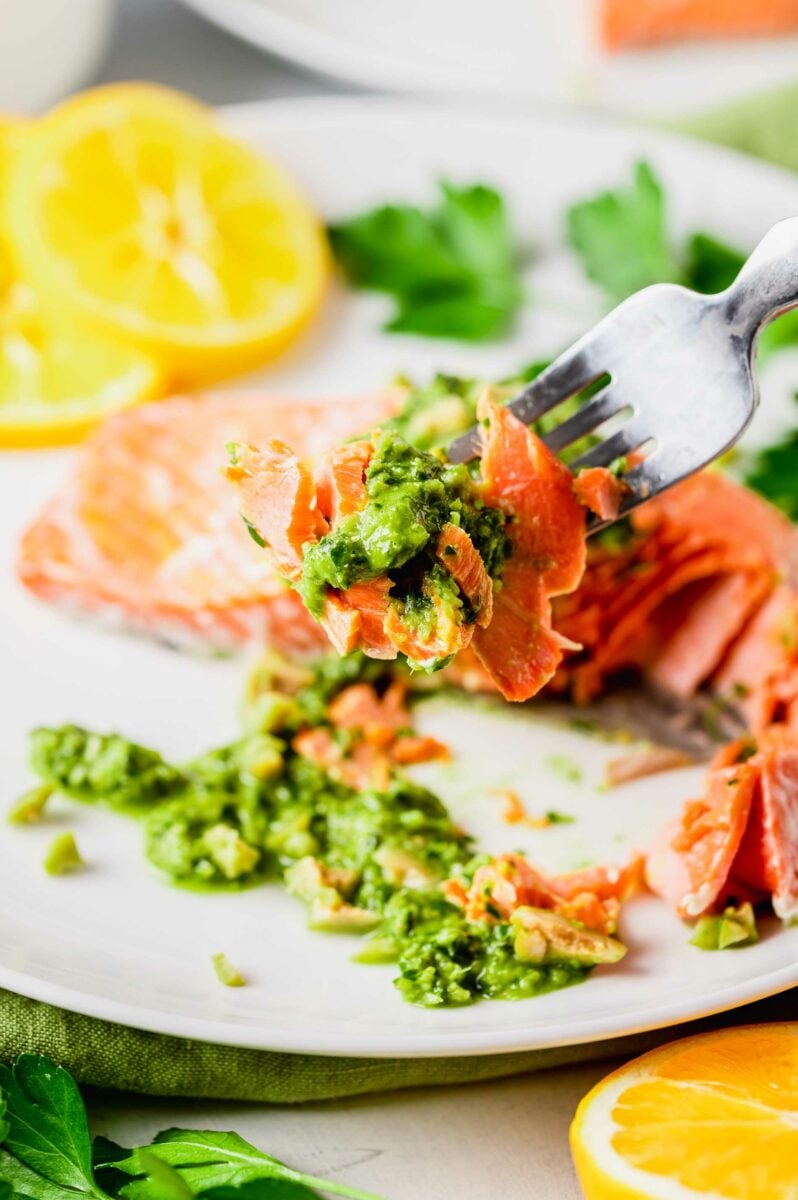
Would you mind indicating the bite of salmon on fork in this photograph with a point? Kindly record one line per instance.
(397, 551)
(675, 368)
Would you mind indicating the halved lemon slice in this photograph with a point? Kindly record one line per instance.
(55, 383)
(713, 1116)
(128, 207)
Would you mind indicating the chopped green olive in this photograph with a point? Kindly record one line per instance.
(62, 855)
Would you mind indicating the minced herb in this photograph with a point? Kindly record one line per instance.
(554, 817)
(88, 766)
(564, 766)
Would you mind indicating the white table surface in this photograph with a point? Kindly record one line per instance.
(507, 1140)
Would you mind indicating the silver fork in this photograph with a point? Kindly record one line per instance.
(682, 387)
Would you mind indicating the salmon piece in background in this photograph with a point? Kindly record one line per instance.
(625, 23)
(691, 862)
(705, 587)
(147, 531)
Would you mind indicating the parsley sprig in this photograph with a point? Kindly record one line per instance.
(47, 1153)
(452, 269)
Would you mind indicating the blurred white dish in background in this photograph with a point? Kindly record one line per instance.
(48, 48)
(523, 49)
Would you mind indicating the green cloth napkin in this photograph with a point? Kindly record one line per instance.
(106, 1055)
(102, 1054)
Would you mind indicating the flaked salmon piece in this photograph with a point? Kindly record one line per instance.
(366, 605)
(632, 23)
(360, 707)
(410, 749)
(505, 884)
(440, 639)
(431, 622)
(521, 476)
(704, 627)
(519, 649)
(377, 724)
(767, 860)
(627, 635)
(762, 663)
(712, 509)
(319, 746)
(691, 863)
(457, 553)
(639, 764)
(600, 491)
(363, 616)
(674, 603)
(341, 480)
(371, 599)
(510, 882)
(147, 531)
(606, 882)
(342, 623)
(278, 500)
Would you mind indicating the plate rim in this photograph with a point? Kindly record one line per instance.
(418, 1045)
(359, 1041)
(364, 66)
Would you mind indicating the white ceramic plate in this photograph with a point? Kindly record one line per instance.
(526, 49)
(116, 942)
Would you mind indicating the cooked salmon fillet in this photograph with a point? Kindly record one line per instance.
(148, 531)
(740, 839)
(457, 554)
(519, 649)
(646, 22)
(706, 591)
(593, 896)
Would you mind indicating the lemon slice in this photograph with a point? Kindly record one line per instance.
(56, 383)
(129, 208)
(713, 1116)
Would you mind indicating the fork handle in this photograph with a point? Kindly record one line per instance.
(768, 282)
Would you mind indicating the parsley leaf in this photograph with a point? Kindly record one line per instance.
(209, 1159)
(262, 1189)
(773, 474)
(710, 266)
(621, 236)
(46, 1153)
(451, 269)
(46, 1148)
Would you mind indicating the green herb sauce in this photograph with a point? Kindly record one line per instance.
(363, 861)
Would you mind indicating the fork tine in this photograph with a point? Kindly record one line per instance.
(603, 406)
(575, 369)
(568, 374)
(621, 443)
